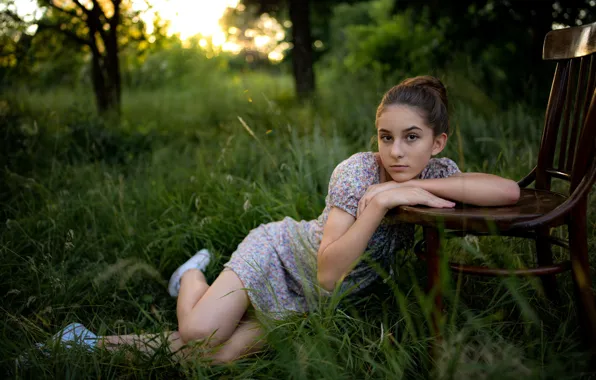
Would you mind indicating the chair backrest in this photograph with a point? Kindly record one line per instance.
(568, 145)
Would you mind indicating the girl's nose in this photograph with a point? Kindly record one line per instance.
(396, 150)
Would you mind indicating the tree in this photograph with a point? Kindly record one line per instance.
(301, 13)
(302, 62)
(476, 24)
(14, 44)
(100, 36)
(536, 17)
(96, 26)
(302, 52)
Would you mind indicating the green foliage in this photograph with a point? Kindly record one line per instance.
(95, 217)
(390, 45)
(388, 40)
(176, 66)
(378, 46)
(51, 57)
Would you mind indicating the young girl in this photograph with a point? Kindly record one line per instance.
(284, 266)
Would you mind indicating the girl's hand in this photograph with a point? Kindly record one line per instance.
(410, 196)
(373, 190)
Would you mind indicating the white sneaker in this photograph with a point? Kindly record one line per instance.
(199, 261)
(74, 334)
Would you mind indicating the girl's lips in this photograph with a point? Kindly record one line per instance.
(398, 168)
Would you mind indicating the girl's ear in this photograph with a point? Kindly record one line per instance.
(439, 143)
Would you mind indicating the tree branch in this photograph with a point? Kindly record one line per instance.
(70, 13)
(66, 32)
(92, 18)
(99, 9)
(72, 35)
(101, 18)
(83, 8)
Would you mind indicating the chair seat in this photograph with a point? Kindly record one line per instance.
(532, 204)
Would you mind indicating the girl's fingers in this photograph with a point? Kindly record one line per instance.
(443, 203)
(434, 201)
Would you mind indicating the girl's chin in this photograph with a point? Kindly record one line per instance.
(401, 177)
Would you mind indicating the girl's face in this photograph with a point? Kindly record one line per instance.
(406, 142)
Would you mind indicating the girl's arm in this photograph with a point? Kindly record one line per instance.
(345, 238)
(477, 189)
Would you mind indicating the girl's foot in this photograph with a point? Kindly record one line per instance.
(199, 261)
(71, 335)
(75, 334)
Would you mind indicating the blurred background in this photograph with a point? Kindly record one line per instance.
(488, 46)
(134, 133)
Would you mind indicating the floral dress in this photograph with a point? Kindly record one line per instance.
(277, 262)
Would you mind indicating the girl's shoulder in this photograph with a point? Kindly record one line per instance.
(362, 159)
(359, 165)
(439, 168)
(350, 179)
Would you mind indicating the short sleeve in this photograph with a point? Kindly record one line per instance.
(439, 168)
(349, 182)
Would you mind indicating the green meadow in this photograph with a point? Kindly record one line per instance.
(95, 215)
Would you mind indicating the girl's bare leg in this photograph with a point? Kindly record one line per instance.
(147, 343)
(246, 340)
(193, 287)
(212, 314)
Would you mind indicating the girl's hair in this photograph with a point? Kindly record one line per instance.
(426, 93)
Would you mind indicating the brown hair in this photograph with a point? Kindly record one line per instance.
(426, 93)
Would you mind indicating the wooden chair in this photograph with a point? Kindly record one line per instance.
(570, 136)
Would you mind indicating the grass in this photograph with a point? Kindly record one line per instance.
(96, 216)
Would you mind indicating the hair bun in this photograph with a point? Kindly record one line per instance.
(425, 92)
(428, 83)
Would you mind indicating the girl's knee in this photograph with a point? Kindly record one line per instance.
(225, 356)
(234, 350)
(228, 353)
(191, 332)
(201, 331)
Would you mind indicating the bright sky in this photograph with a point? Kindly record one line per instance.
(190, 17)
(187, 17)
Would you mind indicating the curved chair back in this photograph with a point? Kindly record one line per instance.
(568, 144)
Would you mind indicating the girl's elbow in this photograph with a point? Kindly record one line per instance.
(324, 277)
(513, 193)
(325, 281)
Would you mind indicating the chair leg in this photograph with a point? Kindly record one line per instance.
(580, 266)
(544, 256)
(431, 236)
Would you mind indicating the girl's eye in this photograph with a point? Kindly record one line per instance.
(412, 137)
(385, 138)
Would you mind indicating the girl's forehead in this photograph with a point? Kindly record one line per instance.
(399, 117)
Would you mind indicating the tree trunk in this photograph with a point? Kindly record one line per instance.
(112, 70)
(113, 62)
(302, 61)
(105, 65)
(98, 74)
(98, 81)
